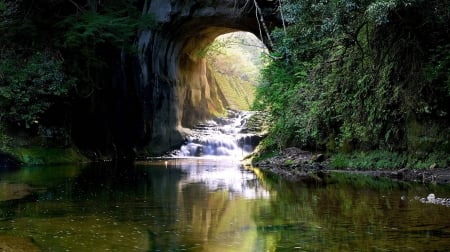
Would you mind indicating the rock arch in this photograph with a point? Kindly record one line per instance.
(173, 75)
(167, 86)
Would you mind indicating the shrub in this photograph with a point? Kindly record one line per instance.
(29, 86)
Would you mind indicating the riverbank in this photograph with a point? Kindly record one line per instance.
(39, 155)
(297, 165)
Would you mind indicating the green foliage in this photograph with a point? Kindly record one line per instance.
(369, 160)
(438, 68)
(354, 73)
(92, 28)
(5, 139)
(388, 160)
(379, 10)
(264, 155)
(438, 159)
(29, 86)
(215, 48)
(55, 49)
(116, 24)
(92, 36)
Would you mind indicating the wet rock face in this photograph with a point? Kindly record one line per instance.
(153, 95)
(174, 83)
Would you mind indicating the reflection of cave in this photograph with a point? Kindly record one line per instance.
(214, 200)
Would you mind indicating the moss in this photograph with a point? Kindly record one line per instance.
(47, 156)
(369, 160)
(288, 162)
(433, 159)
(389, 160)
(260, 156)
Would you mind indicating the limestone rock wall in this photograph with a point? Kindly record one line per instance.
(149, 99)
(174, 82)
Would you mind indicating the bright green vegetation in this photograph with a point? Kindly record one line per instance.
(361, 76)
(388, 160)
(239, 94)
(235, 63)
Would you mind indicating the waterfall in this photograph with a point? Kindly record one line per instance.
(221, 137)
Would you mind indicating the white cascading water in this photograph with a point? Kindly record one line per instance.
(223, 137)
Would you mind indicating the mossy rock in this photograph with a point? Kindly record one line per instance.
(48, 156)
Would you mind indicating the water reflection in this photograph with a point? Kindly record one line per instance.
(220, 174)
(214, 205)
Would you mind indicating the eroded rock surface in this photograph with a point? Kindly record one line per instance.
(175, 83)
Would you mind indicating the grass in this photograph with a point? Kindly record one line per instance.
(377, 160)
(260, 156)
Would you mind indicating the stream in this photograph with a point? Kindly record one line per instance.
(203, 199)
(221, 137)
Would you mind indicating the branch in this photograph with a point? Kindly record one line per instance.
(77, 6)
(273, 57)
(280, 6)
(261, 19)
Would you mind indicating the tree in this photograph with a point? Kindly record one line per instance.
(29, 86)
(354, 74)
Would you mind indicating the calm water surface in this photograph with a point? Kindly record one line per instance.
(213, 205)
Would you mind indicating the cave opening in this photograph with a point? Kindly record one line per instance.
(235, 60)
(231, 64)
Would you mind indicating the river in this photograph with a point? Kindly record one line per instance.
(212, 203)
(215, 205)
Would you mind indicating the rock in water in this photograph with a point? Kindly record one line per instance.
(431, 197)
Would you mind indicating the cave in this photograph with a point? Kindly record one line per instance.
(166, 87)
